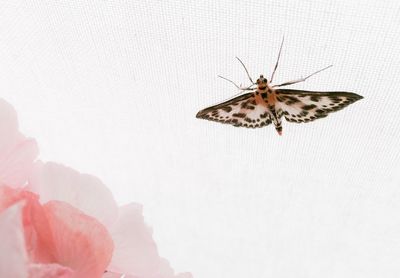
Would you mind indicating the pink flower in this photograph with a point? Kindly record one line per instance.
(58, 222)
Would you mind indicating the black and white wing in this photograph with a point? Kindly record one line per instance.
(304, 106)
(239, 111)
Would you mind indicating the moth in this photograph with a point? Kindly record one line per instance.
(264, 103)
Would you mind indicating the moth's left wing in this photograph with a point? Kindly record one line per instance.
(239, 111)
(304, 106)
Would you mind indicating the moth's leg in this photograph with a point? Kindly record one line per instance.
(229, 81)
(291, 82)
(248, 88)
(247, 72)
(301, 79)
(277, 61)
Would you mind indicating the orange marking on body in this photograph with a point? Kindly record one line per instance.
(272, 98)
(260, 100)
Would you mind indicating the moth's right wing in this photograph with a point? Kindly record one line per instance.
(300, 106)
(239, 111)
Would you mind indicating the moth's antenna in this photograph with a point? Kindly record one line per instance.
(248, 75)
(277, 61)
(318, 71)
(240, 88)
(303, 78)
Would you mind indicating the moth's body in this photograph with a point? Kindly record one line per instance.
(265, 96)
(268, 104)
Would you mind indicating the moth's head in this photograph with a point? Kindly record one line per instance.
(262, 82)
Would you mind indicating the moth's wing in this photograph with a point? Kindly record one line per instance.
(304, 106)
(239, 111)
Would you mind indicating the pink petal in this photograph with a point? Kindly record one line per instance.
(33, 219)
(8, 127)
(13, 258)
(120, 275)
(17, 153)
(135, 251)
(80, 241)
(166, 271)
(60, 233)
(184, 275)
(49, 270)
(85, 192)
(17, 163)
(8, 197)
(117, 275)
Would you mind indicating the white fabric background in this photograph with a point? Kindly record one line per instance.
(111, 88)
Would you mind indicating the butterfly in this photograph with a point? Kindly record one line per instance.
(265, 103)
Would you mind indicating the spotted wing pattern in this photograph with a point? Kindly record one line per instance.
(239, 111)
(304, 106)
